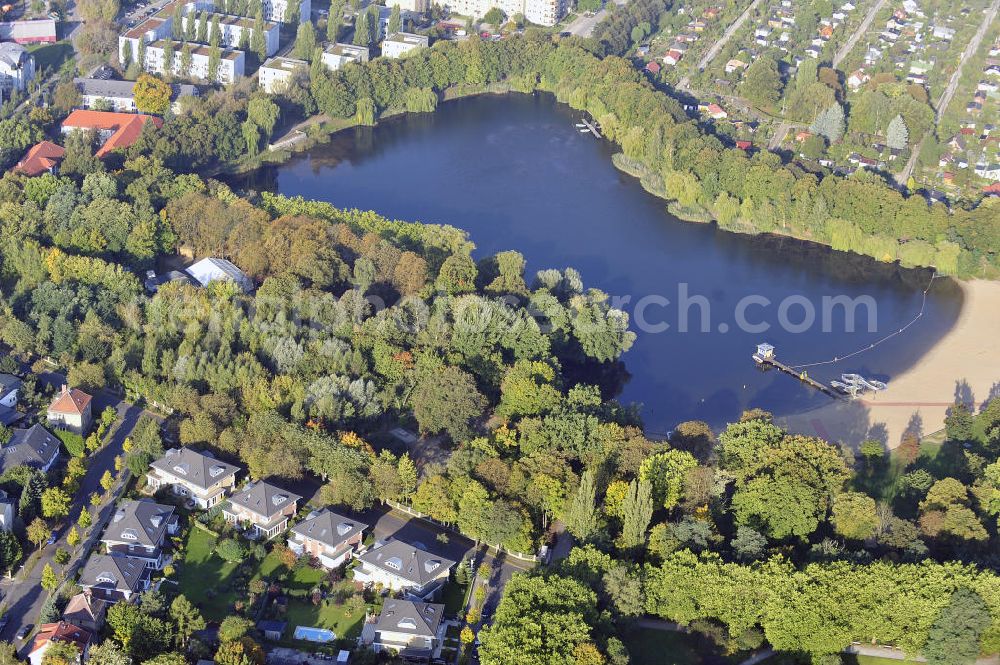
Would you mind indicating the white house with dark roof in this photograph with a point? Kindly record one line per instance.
(7, 512)
(399, 566)
(114, 578)
(17, 67)
(198, 476)
(139, 530)
(327, 536)
(10, 387)
(34, 447)
(413, 630)
(264, 509)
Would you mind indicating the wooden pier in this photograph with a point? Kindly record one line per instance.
(765, 358)
(591, 127)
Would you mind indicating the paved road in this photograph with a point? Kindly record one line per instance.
(862, 29)
(23, 597)
(942, 104)
(727, 35)
(583, 26)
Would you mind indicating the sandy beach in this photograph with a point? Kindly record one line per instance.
(920, 396)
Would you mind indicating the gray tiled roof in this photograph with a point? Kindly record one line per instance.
(113, 573)
(264, 499)
(143, 522)
(8, 382)
(124, 89)
(328, 528)
(411, 618)
(34, 447)
(407, 561)
(199, 469)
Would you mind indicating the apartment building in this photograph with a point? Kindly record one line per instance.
(337, 55)
(276, 74)
(402, 43)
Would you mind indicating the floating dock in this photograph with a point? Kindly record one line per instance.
(591, 127)
(765, 358)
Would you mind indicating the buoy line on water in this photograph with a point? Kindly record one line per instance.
(837, 359)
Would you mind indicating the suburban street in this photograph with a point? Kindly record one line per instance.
(862, 29)
(23, 596)
(727, 35)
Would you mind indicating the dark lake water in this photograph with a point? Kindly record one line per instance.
(516, 173)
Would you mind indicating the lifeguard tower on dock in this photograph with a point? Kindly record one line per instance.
(765, 353)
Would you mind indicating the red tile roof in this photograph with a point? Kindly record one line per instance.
(743, 145)
(70, 400)
(40, 158)
(653, 68)
(61, 632)
(126, 126)
(992, 189)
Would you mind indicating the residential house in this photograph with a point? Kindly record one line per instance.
(272, 630)
(139, 530)
(115, 130)
(944, 32)
(59, 632)
(672, 57)
(43, 157)
(8, 511)
(716, 112)
(120, 95)
(188, 473)
(71, 410)
(411, 630)
(402, 43)
(653, 67)
(17, 67)
(735, 64)
(399, 566)
(10, 387)
(988, 171)
(264, 509)
(114, 578)
(327, 536)
(34, 447)
(85, 611)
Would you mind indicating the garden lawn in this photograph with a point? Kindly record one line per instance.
(73, 443)
(648, 646)
(201, 571)
(851, 659)
(303, 578)
(302, 612)
(51, 55)
(453, 596)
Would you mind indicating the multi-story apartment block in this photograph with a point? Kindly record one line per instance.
(17, 67)
(337, 55)
(232, 29)
(276, 74)
(402, 43)
(231, 63)
(542, 12)
(202, 478)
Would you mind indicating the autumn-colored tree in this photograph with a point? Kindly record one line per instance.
(38, 532)
(152, 95)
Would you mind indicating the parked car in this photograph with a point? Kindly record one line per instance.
(53, 538)
(25, 631)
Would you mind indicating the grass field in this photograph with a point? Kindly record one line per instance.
(73, 443)
(850, 659)
(51, 55)
(205, 578)
(648, 646)
(333, 617)
(453, 596)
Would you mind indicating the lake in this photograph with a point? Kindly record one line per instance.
(516, 173)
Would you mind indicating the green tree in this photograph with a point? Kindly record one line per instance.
(55, 503)
(49, 580)
(10, 551)
(38, 532)
(214, 60)
(896, 135)
(334, 21)
(855, 516)
(186, 617)
(108, 652)
(395, 21)
(305, 41)
(665, 472)
(258, 43)
(168, 59)
(448, 401)
(637, 511)
(581, 516)
(761, 83)
(233, 628)
(362, 29)
(954, 637)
